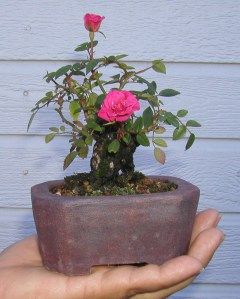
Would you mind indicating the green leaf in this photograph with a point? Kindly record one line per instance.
(159, 155)
(92, 99)
(190, 141)
(192, 123)
(152, 88)
(138, 124)
(128, 125)
(85, 46)
(115, 79)
(127, 138)
(114, 146)
(147, 117)
(79, 91)
(62, 128)
(54, 129)
(83, 151)
(49, 76)
(159, 66)
(124, 66)
(143, 139)
(126, 76)
(68, 160)
(86, 86)
(78, 73)
(172, 119)
(89, 140)
(142, 80)
(160, 142)
(74, 107)
(91, 65)
(62, 71)
(153, 100)
(160, 130)
(91, 124)
(82, 47)
(78, 66)
(49, 137)
(111, 59)
(120, 56)
(169, 92)
(79, 143)
(179, 132)
(182, 113)
(49, 94)
(42, 101)
(99, 100)
(77, 69)
(30, 121)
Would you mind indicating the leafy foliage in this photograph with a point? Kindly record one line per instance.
(79, 90)
(159, 155)
(142, 139)
(159, 66)
(169, 93)
(114, 146)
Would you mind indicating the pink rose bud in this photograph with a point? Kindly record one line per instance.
(118, 105)
(92, 22)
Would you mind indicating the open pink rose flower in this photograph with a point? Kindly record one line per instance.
(118, 105)
(92, 22)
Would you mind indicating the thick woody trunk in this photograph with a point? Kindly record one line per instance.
(107, 166)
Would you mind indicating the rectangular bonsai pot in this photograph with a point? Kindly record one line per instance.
(76, 233)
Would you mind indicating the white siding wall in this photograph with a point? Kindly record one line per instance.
(200, 42)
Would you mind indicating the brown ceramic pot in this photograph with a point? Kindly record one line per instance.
(76, 233)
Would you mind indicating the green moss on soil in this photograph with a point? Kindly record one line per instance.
(86, 184)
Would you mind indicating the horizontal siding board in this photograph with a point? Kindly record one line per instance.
(206, 31)
(213, 165)
(16, 224)
(209, 291)
(209, 92)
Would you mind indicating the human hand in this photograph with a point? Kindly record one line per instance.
(22, 275)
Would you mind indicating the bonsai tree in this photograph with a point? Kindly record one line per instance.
(114, 115)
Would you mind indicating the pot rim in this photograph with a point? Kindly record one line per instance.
(42, 192)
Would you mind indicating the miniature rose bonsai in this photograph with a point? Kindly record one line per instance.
(114, 115)
(105, 113)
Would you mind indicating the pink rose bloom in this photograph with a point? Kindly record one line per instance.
(92, 22)
(118, 105)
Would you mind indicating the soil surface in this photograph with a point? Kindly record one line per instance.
(84, 184)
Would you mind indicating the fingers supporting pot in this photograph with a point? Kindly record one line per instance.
(152, 278)
(205, 241)
(205, 245)
(162, 294)
(205, 220)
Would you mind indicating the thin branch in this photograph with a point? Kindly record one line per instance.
(89, 53)
(59, 111)
(183, 124)
(144, 70)
(58, 85)
(101, 86)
